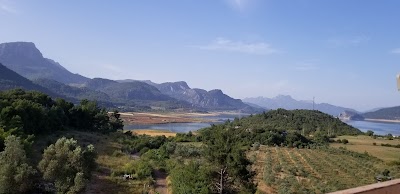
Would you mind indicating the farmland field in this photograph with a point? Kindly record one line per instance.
(288, 170)
(362, 143)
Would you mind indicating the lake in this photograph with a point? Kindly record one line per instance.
(186, 127)
(173, 127)
(379, 128)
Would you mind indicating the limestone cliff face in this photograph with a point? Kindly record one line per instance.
(211, 100)
(25, 59)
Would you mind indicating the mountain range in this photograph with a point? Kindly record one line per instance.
(22, 65)
(287, 102)
(25, 67)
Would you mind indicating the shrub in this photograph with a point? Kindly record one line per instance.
(117, 153)
(345, 141)
(68, 165)
(15, 173)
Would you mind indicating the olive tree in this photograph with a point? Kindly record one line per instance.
(68, 165)
(15, 173)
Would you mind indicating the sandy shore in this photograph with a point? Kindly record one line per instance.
(170, 117)
(153, 132)
(383, 120)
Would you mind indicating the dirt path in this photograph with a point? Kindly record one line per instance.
(161, 182)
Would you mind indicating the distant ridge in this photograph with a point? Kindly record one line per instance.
(287, 102)
(12, 80)
(209, 100)
(25, 59)
(50, 77)
(391, 113)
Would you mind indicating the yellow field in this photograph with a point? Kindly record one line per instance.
(363, 144)
(154, 132)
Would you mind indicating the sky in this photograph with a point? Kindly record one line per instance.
(343, 52)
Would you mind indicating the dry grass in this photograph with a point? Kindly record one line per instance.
(363, 144)
(154, 132)
(105, 145)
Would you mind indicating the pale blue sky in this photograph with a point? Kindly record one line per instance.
(344, 52)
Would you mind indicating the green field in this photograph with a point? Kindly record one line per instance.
(292, 170)
(363, 144)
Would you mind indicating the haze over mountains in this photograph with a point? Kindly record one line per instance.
(25, 59)
(25, 67)
(287, 102)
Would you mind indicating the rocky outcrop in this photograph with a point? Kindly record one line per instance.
(351, 116)
(25, 59)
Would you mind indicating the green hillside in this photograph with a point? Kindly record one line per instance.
(306, 122)
(392, 113)
(11, 80)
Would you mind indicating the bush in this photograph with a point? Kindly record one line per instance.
(15, 173)
(345, 141)
(117, 153)
(374, 144)
(143, 169)
(68, 165)
(256, 146)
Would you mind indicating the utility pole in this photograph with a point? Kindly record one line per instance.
(313, 102)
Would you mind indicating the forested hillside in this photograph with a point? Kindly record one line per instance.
(392, 113)
(26, 116)
(11, 80)
(72, 92)
(306, 122)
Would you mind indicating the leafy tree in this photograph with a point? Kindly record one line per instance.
(15, 173)
(190, 178)
(115, 121)
(68, 165)
(369, 133)
(225, 151)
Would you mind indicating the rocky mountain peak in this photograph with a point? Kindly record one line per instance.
(20, 49)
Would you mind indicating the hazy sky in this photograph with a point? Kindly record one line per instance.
(344, 52)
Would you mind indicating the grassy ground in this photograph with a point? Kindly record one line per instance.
(106, 146)
(363, 144)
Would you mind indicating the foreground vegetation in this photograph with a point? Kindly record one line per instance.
(62, 165)
(316, 170)
(53, 146)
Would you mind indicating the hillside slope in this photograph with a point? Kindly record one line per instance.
(303, 121)
(392, 113)
(209, 100)
(72, 92)
(12, 80)
(287, 102)
(25, 59)
(134, 92)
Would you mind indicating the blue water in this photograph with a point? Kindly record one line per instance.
(378, 128)
(173, 127)
(185, 127)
